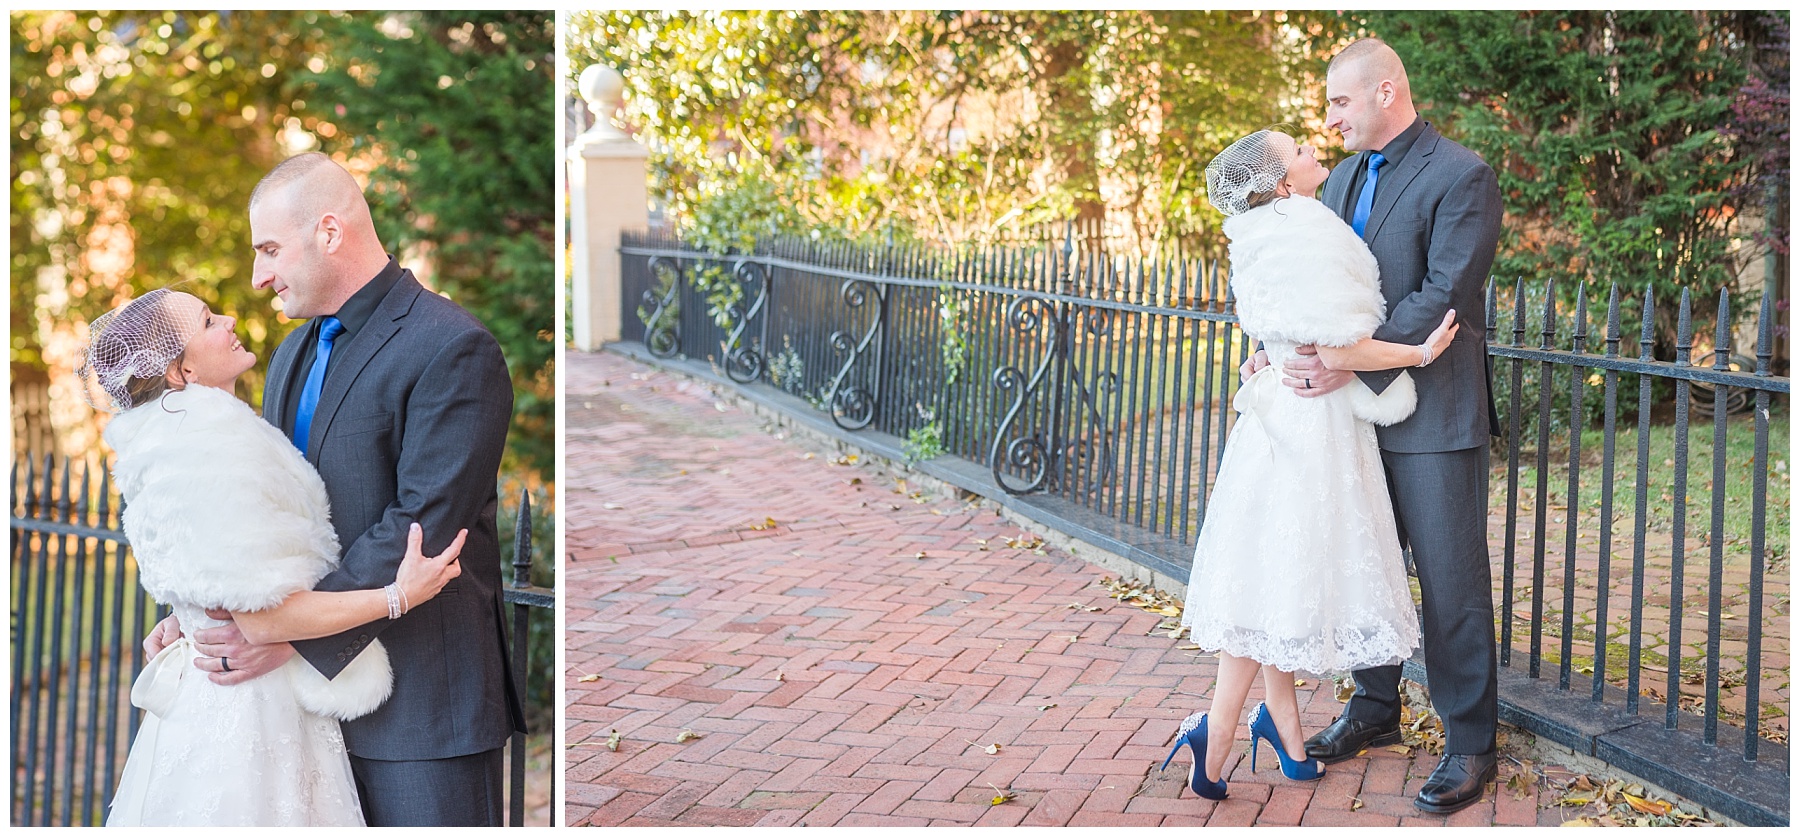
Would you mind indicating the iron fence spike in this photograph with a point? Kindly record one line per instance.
(1612, 321)
(1549, 334)
(1684, 329)
(1722, 333)
(1765, 334)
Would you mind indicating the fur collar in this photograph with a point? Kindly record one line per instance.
(220, 509)
(1301, 275)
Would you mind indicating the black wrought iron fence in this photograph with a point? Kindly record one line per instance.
(1100, 389)
(78, 619)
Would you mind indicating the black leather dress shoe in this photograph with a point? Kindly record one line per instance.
(1458, 782)
(1347, 736)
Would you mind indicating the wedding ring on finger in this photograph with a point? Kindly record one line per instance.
(224, 663)
(1308, 383)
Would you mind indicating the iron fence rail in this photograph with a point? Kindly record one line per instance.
(78, 618)
(1106, 382)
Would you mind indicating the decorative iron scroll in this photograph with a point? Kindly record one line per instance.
(1048, 460)
(1098, 453)
(1029, 453)
(852, 406)
(662, 329)
(744, 363)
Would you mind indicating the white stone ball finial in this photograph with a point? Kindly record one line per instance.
(604, 90)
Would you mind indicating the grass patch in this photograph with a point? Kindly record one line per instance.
(1739, 508)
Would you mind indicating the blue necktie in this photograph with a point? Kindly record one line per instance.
(315, 381)
(1366, 200)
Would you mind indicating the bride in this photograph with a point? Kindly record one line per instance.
(1270, 592)
(223, 513)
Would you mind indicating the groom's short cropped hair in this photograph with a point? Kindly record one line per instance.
(1372, 58)
(288, 171)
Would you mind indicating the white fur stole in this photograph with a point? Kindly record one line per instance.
(1301, 276)
(223, 512)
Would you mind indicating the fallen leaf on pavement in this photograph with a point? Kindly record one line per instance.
(1653, 807)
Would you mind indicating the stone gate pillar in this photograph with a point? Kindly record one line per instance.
(607, 194)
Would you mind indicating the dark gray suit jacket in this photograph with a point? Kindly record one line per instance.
(1433, 229)
(410, 426)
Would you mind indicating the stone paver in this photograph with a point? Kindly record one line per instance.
(877, 656)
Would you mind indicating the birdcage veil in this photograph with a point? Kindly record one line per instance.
(136, 340)
(1251, 165)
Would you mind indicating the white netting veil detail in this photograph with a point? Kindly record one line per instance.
(1249, 166)
(136, 340)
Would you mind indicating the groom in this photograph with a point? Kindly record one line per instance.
(404, 399)
(1430, 211)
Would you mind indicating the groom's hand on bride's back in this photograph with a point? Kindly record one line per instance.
(228, 659)
(1307, 376)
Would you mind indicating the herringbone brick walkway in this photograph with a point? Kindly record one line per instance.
(873, 657)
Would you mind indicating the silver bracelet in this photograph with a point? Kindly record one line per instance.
(393, 600)
(405, 603)
(1426, 349)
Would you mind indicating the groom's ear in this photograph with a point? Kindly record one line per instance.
(331, 232)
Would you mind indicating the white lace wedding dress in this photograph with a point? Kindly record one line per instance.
(221, 511)
(1298, 561)
(235, 755)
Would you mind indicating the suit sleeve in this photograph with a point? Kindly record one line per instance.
(454, 433)
(1464, 232)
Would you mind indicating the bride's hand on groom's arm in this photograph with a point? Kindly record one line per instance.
(423, 576)
(226, 645)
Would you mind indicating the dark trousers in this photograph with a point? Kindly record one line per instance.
(1440, 502)
(465, 790)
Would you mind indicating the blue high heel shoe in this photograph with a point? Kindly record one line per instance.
(1195, 739)
(1263, 727)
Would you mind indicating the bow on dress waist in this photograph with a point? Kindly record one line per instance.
(159, 683)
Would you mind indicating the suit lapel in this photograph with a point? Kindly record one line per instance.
(1337, 187)
(382, 326)
(1387, 194)
(281, 375)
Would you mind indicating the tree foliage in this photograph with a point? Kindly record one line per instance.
(1630, 145)
(137, 137)
(1607, 130)
(453, 110)
(946, 125)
